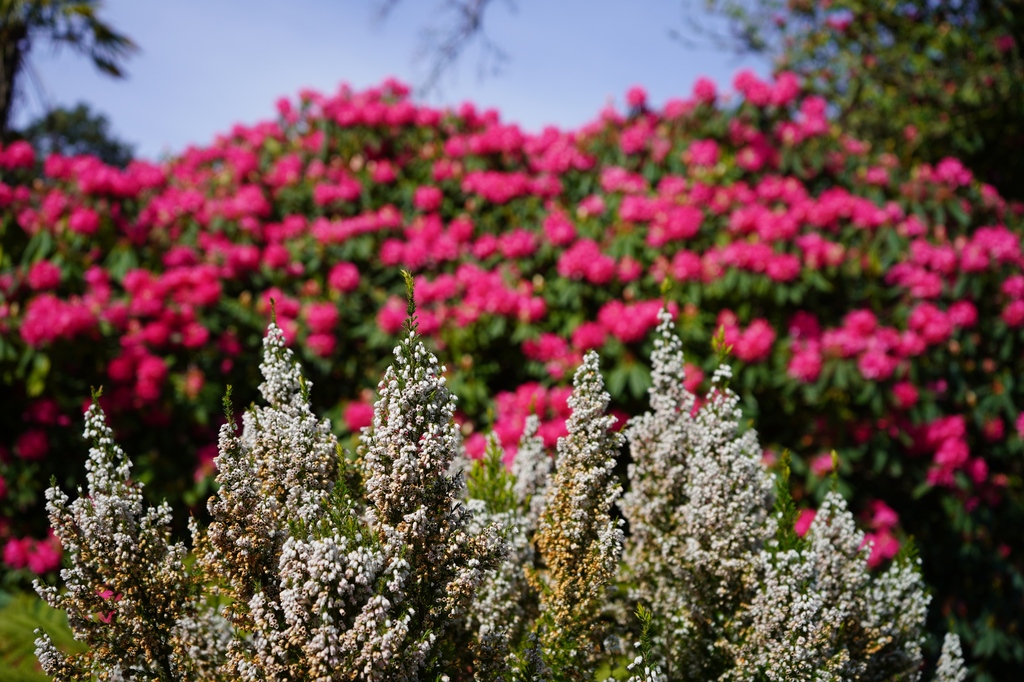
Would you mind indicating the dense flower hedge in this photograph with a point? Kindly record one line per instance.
(873, 309)
(410, 561)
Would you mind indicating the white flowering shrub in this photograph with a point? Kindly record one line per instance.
(407, 561)
(735, 594)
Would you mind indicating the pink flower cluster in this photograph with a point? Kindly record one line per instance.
(753, 344)
(38, 556)
(878, 350)
(48, 318)
(946, 439)
(630, 322)
(512, 408)
(882, 520)
(584, 261)
(17, 155)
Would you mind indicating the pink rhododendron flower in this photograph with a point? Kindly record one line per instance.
(587, 336)
(43, 276)
(1013, 286)
(875, 365)
(518, 243)
(804, 521)
(702, 153)
(276, 256)
(755, 342)
(963, 314)
(428, 323)
(345, 190)
(84, 221)
(476, 446)
(461, 230)
(427, 198)
(881, 515)
(322, 318)
(150, 373)
(584, 260)
(786, 89)
(558, 229)
(674, 223)
(952, 172)
(18, 154)
(753, 89)
(977, 470)
(321, 344)
(392, 315)
(931, 323)
(629, 322)
(343, 277)
(284, 305)
(884, 546)
(357, 414)
(16, 552)
(44, 556)
(547, 347)
(861, 322)
(783, 267)
(905, 395)
(485, 246)
(194, 335)
(705, 91)
(952, 454)
(1013, 313)
(32, 445)
(383, 172)
(629, 269)
(636, 97)
(687, 266)
(592, 205)
(822, 465)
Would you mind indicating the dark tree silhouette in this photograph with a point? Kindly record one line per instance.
(75, 131)
(26, 23)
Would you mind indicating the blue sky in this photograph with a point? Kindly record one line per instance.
(207, 64)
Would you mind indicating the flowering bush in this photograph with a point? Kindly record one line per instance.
(876, 309)
(320, 566)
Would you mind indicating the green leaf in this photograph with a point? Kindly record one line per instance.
(35, 384)
(20, 616)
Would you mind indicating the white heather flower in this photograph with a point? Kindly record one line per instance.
(951, 661)
(127, 584)
(504, 602)
(279, 471)
(579, 542)
(698, 509)
(427, 578)
(819, 612)
(728, 603)
(532, 470)
(407, 458)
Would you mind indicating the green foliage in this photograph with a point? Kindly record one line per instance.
(785, 509)
(21, 615)
(921, 80)
(488, 479)
(71, 132)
